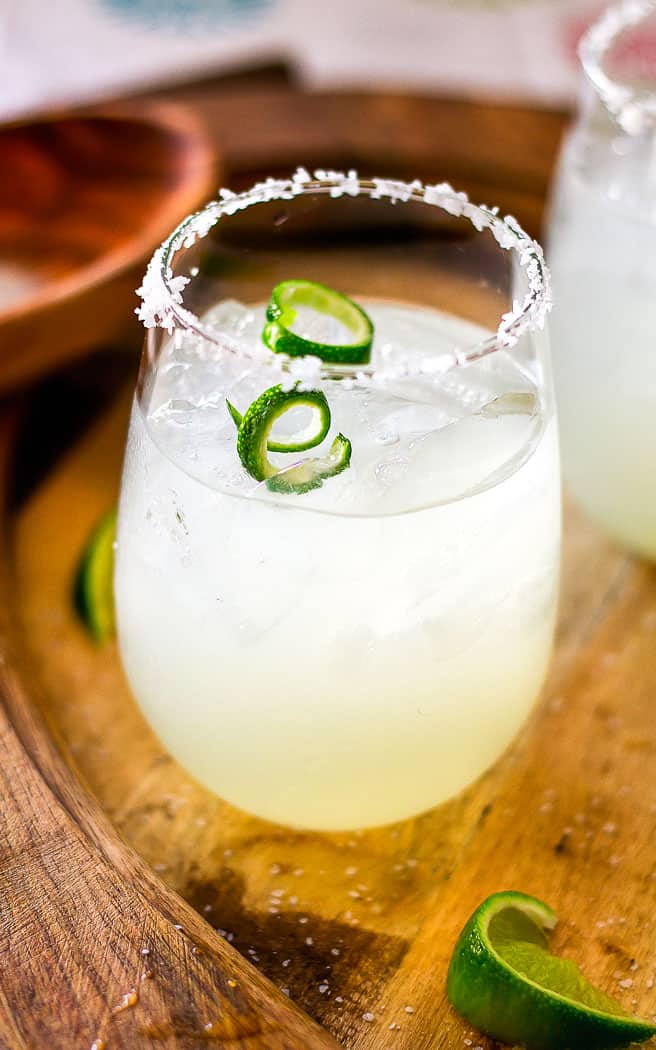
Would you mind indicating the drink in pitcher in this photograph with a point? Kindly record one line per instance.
(603, 259)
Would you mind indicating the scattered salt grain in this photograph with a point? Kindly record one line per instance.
(409, 1009)
(368, 1017)
(626, 983)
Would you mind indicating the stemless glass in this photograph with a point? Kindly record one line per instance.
(354, 653)
(602, 247)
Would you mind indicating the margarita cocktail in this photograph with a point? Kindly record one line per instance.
(339, 527)
(603, 258)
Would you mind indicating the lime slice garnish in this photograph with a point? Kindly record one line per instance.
(505, 982)
(253, 440)
(311, 436)
(312, 473)
(93, 591)
(281, 313)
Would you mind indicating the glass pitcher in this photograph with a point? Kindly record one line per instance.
(602, 241)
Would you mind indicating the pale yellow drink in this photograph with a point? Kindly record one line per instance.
(360, 653)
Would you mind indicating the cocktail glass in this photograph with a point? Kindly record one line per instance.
(354, 651)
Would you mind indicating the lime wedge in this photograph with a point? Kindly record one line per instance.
(93, 591)
(506, 983)
(282, 311)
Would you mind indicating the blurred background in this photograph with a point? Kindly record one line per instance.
(82, 50)
(219, 92)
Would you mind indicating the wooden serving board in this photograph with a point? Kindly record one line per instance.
(355, 925)
(259, 937)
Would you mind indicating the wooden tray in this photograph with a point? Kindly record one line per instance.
(110, 850)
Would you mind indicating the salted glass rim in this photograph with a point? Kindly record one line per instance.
(633, 108)
(161, 292)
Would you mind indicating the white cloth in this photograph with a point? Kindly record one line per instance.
(56, 52)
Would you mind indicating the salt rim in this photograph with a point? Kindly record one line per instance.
(162, 293)
(634, 110)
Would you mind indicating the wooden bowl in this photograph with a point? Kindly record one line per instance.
(84, 200)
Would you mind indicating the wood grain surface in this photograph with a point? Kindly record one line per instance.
(109, 847)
